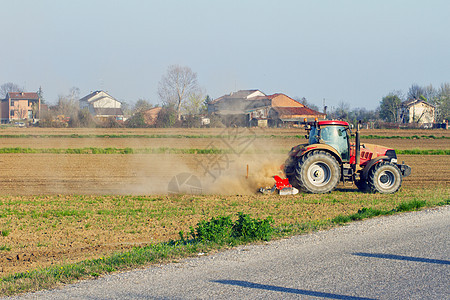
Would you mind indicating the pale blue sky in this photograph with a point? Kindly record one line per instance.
(351, 51)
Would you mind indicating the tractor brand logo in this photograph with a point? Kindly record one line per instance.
(185, 183)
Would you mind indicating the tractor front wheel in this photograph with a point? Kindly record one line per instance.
(384, 178)
(317, 172)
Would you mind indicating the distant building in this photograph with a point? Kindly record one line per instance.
(254, 108)
(20, 106)
(102, 105)
(416, 111)
(151, 115)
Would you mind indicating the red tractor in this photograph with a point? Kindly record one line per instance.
(329, 157)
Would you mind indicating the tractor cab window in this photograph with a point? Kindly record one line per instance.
(313, 138)
(336, 137)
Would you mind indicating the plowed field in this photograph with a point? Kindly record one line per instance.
(58, 208)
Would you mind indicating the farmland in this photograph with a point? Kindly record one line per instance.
(59, 207)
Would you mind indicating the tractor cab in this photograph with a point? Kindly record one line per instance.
(332, 133)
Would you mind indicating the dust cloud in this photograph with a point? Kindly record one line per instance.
(214, 173)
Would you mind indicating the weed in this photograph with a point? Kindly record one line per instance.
(222, 230)
(409, 206)
(5, 232)
(365, 212)
(5, 248)
(217, 230)
(249, 229)
(445, 202)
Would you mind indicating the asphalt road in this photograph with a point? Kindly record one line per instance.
(405, 256)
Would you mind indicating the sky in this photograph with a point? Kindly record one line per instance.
(343, 51)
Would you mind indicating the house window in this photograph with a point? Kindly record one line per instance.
(12, 102)
(12, 113)
(30, 102)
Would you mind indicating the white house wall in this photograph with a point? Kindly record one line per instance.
(422, 111)
(107, 103)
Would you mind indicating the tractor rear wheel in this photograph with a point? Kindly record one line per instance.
(384, 178)
(317, 172)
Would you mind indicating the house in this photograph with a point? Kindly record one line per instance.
(237, 102)
(416, 111)
(282, 111)
(151, 115)
(20, 106)
(254, 108)
(232, 108)
(102, 105)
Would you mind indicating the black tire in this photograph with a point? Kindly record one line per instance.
(317, 172)
(362, 185)
(384, 178)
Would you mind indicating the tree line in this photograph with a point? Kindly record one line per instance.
(183, 102)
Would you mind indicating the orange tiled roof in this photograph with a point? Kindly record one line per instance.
(23, 96)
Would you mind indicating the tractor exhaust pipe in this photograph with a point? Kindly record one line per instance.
(357, 146)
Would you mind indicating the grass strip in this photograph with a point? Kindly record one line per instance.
(167, 150)
(218, 233)
(95, 150)
(424, 151)
(203, 136)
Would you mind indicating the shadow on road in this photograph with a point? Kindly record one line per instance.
(401, 257)
(253, 285)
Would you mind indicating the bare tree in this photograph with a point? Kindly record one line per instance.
(68, 105)
(342, 110)
(177, 85)
(142, 105)
(415, 92)
(389, 107)
(442, 102)
(430, 92)
(9, 87)
(194, 104)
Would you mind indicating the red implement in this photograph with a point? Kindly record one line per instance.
(282, 186)
(281, 183)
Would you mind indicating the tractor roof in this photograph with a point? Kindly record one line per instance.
(332, 122)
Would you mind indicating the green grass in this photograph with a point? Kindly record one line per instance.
(94, 150)
(199, 136)
(5, 248)
(167, 150)
(366, 213)
(218, 233)
(424, 151)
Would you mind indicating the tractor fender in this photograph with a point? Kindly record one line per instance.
(323, 147)
(370, 164)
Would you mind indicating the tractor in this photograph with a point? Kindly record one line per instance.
(329, 158)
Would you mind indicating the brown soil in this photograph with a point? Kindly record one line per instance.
(37, 183)
(202, 143)
(212, 131)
